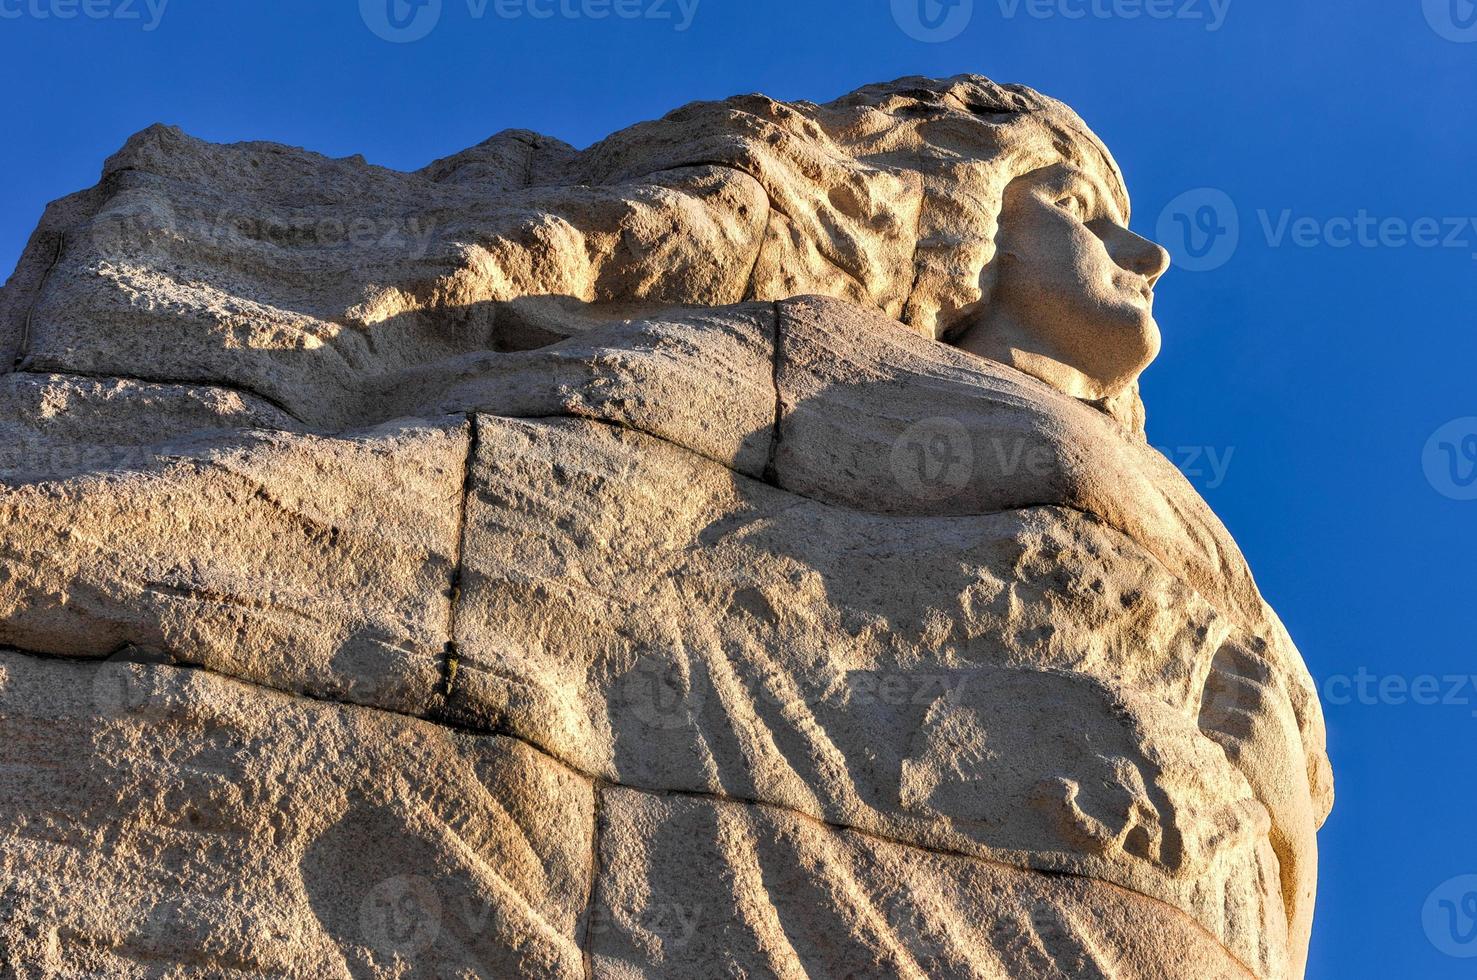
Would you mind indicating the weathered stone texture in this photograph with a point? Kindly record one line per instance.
(507, 569)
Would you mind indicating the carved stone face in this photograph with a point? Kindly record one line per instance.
(1072, 303)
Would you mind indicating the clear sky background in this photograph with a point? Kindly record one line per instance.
(1303, 374)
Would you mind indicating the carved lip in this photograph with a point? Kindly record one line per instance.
(1139, 285)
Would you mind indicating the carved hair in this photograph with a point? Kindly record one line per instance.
(888, 197)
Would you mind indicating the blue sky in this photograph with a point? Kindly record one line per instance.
(1311, 358)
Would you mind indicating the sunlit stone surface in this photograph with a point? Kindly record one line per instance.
(730, 550)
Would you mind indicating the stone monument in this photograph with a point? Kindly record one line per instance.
(731, 550)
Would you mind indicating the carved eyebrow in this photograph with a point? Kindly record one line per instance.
(1102, 202)
(1062, 177)
(1068, 180)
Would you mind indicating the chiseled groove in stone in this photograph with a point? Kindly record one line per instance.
(450, 657)
(220, 383)
(751, 287)
(587, 940)
(600, 783)
(527, 161)
(309, 526)
(24, 347)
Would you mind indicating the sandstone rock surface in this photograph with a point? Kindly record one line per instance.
(604, 564)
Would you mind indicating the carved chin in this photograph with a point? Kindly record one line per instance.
(1133, 349)
(1153, 341)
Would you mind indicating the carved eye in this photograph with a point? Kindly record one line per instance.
(1073, 204)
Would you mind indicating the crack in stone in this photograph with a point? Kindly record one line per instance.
(771, 468)
(451, 653)
(587, 941)
(751, 287)
(22, 352)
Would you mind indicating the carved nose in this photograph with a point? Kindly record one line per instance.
(1137, 254)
